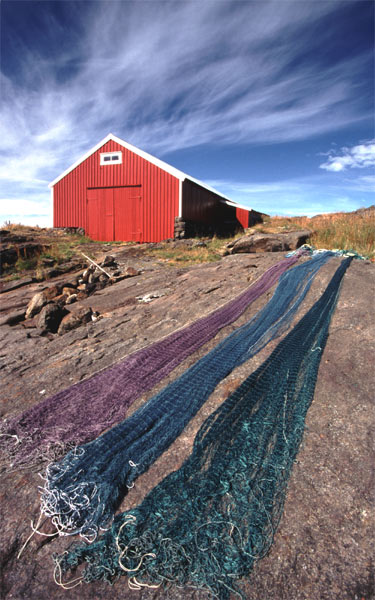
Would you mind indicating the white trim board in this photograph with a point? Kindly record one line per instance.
(152, 159)
(238, 205)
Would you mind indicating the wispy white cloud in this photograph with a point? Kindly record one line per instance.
(357, 157)
(167, 79)
(307, 196)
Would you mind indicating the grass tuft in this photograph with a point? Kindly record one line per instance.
(343, 231)
(183, 254)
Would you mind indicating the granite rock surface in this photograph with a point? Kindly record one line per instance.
(323, 548)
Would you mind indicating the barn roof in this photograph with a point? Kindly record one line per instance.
(152, 159)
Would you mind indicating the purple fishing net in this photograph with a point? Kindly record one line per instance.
(84, 410)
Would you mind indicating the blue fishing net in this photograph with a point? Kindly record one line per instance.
(84, 489)
(206, 524)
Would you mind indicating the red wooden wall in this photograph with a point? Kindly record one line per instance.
(143, 202)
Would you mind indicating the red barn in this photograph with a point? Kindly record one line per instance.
(118, 192)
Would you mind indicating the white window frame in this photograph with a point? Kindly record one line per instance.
(104, 155)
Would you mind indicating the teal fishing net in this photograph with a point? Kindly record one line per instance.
(83, 490)
(206, 524)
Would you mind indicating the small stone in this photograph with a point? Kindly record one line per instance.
(151, 296)
(51, 292)
(61, 299)
(93, 277)
(68, 291)
(75, 319)
(36, 304)
(50, 317)
(109, 260)
(72, 298)
(131, 272)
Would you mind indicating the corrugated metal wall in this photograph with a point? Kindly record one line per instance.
(202, 206)
(243, 217)
(159, 191)
(249, 218)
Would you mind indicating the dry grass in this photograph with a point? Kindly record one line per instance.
(54, 248)
(345, 231)
(185, 255)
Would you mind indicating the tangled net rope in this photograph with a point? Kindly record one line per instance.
(83, 411)
(84, 489)
(205, 525)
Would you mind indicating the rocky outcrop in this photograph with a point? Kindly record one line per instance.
(49, 303)
(269, 242)
(324, 544)
(14, 247)
(7, 286)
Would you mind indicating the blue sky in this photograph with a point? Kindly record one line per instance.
(270, 102)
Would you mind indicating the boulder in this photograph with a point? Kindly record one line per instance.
(50, 317)
(75, 319)
(51, 292)
(131, 272)
(296, 239)
(36, 304)
(108, 261)
(68, 291)
(270, 242)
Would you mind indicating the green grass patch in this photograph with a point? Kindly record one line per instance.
(190, 255)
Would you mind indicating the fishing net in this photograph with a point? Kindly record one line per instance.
(83, 490)
(83, 411)
(206, 524)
